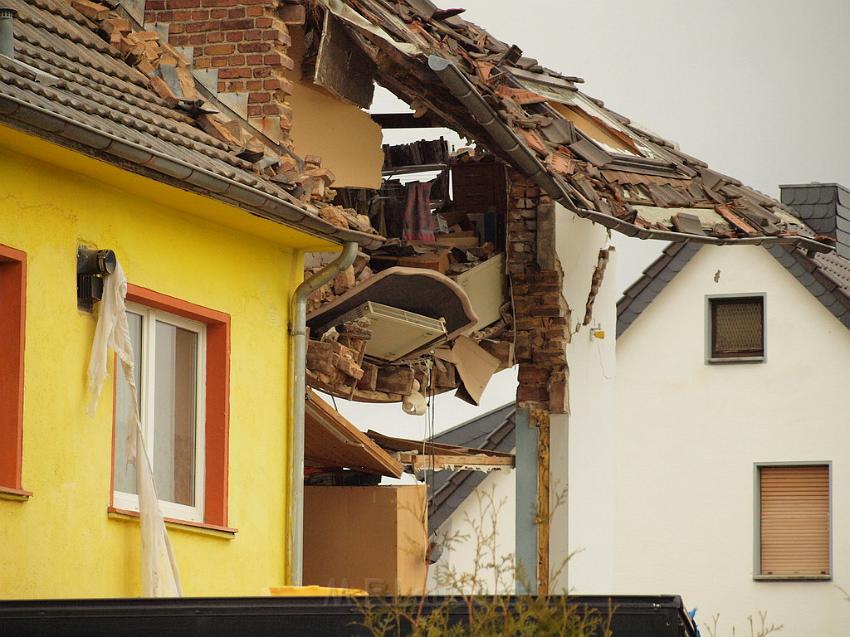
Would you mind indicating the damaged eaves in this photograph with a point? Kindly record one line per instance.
(483, 70)
(111, 99)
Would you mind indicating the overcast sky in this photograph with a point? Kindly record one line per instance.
(759, 89)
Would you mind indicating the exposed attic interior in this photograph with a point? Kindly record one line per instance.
(446, 210)
(221, 105)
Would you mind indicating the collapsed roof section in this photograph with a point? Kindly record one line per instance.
(85, 76)
(588, 158)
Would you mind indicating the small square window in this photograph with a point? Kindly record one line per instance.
(793, 521)
(736, 329)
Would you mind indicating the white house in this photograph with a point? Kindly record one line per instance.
(723, 474)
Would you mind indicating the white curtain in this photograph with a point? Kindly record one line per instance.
(160, 577)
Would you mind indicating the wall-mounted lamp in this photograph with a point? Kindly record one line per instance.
(597, 333)
(92, 265)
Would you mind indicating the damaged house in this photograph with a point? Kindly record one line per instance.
(237, 155)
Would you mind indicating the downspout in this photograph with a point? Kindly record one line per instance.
(298, 331)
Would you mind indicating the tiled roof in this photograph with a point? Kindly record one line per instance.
(70, 86)
(448, 489)
(826, 276)
(587, 157)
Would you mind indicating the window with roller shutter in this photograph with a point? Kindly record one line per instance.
(793, 521)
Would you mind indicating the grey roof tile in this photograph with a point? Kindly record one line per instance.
(448, 489)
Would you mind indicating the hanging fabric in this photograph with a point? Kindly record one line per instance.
(160, 577)
(418, 220)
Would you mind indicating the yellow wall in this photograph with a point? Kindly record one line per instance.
(344, 136)
(61, 542)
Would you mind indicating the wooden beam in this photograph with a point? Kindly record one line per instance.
(404, 120)
(540, 419)
(419, 461)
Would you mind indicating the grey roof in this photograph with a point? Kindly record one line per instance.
(654, 279)
(72, 87)
(826, 276)
(824, 207)
(448, 489)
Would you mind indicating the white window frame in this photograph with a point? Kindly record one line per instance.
(130, 501)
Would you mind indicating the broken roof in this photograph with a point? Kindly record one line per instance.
(71, 86)
(585, 156)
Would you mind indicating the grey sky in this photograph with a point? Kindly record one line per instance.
(756, 88)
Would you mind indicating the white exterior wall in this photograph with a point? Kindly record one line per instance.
(493, 499)
(687, 436)
(587, 480)
(591, 386)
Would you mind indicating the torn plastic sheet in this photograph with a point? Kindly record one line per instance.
(160, 577)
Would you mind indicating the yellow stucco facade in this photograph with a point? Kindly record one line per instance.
(61, 541)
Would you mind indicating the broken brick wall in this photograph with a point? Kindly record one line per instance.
(542, 320)
(238, 50)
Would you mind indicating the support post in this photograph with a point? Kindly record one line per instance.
(526, 499)
(540, 420)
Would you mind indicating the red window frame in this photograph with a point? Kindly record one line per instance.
(13, 291)
(217, 425)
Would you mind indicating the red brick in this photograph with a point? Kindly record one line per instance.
(217, 14)
(219, 49)
(255, 110)
(234, 36)
(182, 4)
(200, 15)
(215, 37)
(236, 13)
(270, 109)
(254, 47)
(263, 71)
(236, 60)
(254, 85)
(258, 98)
(253, 60)
(199, 27)
(255, 11)
(227, 25)
(253, 34)
(219, 62)
(271, 84)
(263, 23)
(233, 73)
(198, 38)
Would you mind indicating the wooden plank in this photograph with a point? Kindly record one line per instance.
(342, 67)
(419, 461)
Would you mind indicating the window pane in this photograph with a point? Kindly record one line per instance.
(125, 471)
(174, 413)
(737, 328)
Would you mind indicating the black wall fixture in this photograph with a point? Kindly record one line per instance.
(92, 266)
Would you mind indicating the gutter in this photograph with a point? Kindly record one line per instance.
(525, 160)
(298, 331)
(227, 189)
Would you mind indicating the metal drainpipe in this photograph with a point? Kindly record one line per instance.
(298, 331)
(7, 34)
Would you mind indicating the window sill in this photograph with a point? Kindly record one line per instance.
(201, 528)
(8, 493)
(792, 578)
(736, 359)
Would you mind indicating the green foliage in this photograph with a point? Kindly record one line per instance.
(491, 616)
(760, 629)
